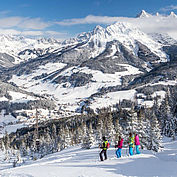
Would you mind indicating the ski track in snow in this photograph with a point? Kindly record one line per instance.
(76, 162)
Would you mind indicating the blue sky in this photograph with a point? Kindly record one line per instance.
(66, 18)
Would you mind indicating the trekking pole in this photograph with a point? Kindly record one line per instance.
(115, 151)
(133, 149)
(127, 150)
(99, 150)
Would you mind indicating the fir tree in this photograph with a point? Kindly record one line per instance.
(118, 130)
(67, 137)
(170, 121)
(155, 140)
(110, 132)
(88, 139)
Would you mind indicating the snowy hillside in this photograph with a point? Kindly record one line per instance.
(24, 48)
(69, 94)
(76, 162)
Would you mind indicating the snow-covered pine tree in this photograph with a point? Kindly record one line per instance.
(6, 141)
(135, 122)
(23, 148)
(155, 136)
(102, 117)
(170, 120)
(142, 126)
(67, 137)
(91, 135)
(110, 132)
(78, 135)
(97, 131)
(146, 138)
(61, 138)
(130, 126)
(88, 139)
(54, 137)
(48, 140)
(118, 130)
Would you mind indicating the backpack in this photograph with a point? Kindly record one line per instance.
(108, 145)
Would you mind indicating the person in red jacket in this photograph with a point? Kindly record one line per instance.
(119, 146)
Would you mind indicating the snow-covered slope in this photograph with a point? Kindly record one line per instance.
(24, 48)
(163, 39)
(76, 162)
(66, 93)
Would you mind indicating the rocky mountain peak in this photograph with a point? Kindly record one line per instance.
(172, 14)
(157, 14)
(143, 14)
(98, 29)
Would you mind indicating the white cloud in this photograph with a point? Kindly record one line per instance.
(9, 32)
(23, 22)
(37, 27)
(4, 12)
(10, 22)
(168, 8)
(33, 23)
(23, 33)
(90, 19)
(54, 33)
(158, 24)
(34, 33)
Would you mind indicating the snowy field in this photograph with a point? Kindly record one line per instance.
(76, 162)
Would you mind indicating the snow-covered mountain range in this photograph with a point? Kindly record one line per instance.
(20, 49)
(94, 70)
(144, 14)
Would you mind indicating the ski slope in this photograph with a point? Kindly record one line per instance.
(76, 162)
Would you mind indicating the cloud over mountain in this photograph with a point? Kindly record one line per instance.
(147, 23)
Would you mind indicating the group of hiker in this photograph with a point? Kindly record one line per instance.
(133, 141)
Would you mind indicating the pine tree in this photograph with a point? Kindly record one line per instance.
(99, 129)
(62, 138)
(88, 139)
(110, 132)
(155, 140)
(118, 130)
(142, 127)
(67, 137)
(170, 121)
(146, 136)
(54, 137)
(6, 141)
(78, 135)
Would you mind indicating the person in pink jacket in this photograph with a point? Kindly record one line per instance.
(119, 146)
(137, 143)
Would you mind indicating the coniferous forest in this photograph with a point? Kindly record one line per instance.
(88, 129)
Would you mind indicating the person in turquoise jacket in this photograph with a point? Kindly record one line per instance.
(131, 143)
